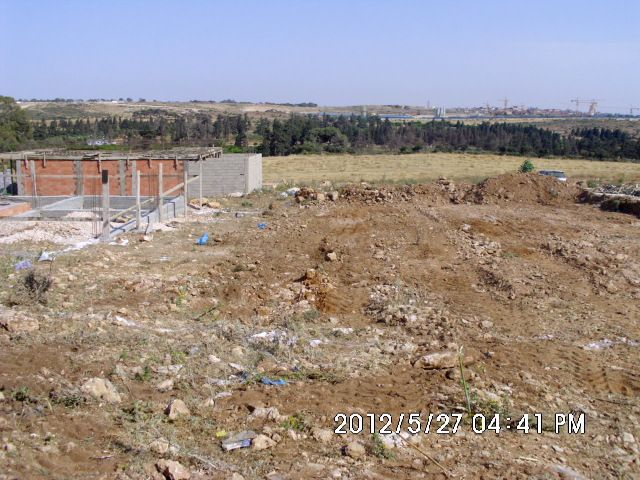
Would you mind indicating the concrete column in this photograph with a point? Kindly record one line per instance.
(77, 168)
(106, 211)
(160, 196)
(123, 177)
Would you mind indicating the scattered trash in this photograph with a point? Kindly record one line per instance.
(146, 238)
(121, 242)
(606, 343)
(46, 257)
(237, 367)
(124, 321)
(203, 239)
(24, 265)
(292, 191)
(284, 195)
(222, 434)
(262, 226)
(239, 440)
(267, 381)
(224, 394)
(277, 336)
(316, 343)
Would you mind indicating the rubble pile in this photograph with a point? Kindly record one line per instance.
(310, 194)
(630, 189)
(393, 306)
(523, 188)
(369, 194)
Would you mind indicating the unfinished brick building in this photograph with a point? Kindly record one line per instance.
(69, 173)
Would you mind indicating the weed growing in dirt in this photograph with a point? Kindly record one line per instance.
(70, 400)
(21, 394)
(379, 449)
(32, 289)
(297, 422)
(145, 375)
(464, 383)
(139, 411)
(178, 356)
(311, 314)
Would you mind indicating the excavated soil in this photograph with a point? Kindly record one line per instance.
(342, 300)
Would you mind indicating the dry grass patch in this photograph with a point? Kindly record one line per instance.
(425, 167)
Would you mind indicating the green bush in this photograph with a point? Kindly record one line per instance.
(527, 167)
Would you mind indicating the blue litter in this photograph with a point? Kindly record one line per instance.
(203, 239)
(24, 265)
(262, 226)
(268, 381)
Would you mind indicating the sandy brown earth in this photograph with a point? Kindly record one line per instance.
(343, 300)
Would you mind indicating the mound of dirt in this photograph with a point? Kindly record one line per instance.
(523, 188)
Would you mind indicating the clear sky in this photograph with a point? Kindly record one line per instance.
(333, 52)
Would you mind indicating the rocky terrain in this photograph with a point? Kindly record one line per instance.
(158, 358)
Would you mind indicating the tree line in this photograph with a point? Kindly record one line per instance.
(358, 134)
(299, 134)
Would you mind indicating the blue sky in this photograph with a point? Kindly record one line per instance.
(451, 53)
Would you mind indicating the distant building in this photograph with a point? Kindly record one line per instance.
(99, 142)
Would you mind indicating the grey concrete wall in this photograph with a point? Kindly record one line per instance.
(231, 173)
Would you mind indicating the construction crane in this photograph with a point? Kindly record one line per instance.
(505, 102)
(593, 107)
(577, 102)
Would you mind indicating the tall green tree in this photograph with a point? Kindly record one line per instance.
(15, 129)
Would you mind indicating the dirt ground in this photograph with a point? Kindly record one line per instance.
(531, 296)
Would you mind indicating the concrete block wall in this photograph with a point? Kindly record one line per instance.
(231, 173)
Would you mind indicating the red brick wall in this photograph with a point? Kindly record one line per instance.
(92, 183)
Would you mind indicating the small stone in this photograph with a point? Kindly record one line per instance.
(627, 437)
(262, 442)
(9, 448)
(165, 385)
(236, 476)
(177, 408)
(354, 450)
(159, 446)
(486, 324)
(173, 470)
(214, 359)
(322, 435)
(333, 196)
(237, 351)
(17, 322)
(69, 447)
(101, 389)
(453, 374)
(437, 360)
(331, 256)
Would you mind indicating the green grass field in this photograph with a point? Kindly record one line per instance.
(430, 166)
